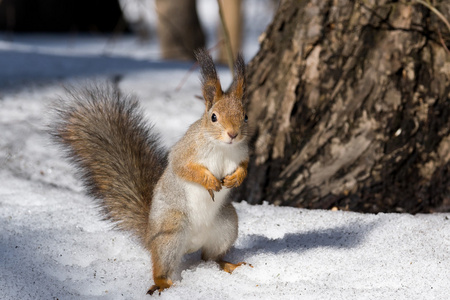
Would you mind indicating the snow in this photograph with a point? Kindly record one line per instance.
(54, 245)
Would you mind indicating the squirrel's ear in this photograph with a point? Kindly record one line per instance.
(211, 88)
(238, 86)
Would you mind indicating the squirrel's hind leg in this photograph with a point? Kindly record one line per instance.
(160, 285)
(222, 236)
(230, 267)
(167, 247)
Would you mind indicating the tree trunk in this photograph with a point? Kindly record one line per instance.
(350, 106)
(179, 29)
(233, 20)
(57, 15)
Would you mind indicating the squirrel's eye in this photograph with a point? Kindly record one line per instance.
(245, 118)
(214, 118)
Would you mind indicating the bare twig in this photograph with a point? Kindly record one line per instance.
(192, 68)
(442, 41)
(435, 11)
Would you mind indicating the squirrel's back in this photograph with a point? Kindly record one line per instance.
(119, 158)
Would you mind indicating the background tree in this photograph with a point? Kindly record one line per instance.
(179, 29)
(350, 101)
(232, 17)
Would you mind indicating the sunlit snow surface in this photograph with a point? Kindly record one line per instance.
(54, 246)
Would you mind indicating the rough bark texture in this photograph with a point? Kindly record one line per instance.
(57, 15)
(350, 101)
(179, 30)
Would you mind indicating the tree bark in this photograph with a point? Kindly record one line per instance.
(350, 106)
(179, 29)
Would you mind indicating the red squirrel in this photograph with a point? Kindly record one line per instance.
(175, 202)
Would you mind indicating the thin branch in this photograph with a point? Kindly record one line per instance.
(435, 11)
(192, 68)
(442, 41)
(440, 36)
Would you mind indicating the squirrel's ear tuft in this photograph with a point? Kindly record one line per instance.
(238, 86)
(211, 87)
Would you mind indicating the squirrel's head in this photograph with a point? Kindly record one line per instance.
(225, 113)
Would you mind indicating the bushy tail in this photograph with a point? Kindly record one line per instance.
(118, 156)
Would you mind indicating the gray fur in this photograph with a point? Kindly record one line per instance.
(123, 166)
(118, 156)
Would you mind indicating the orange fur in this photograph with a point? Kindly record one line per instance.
(235, 179)
(239, 88)
(160, 285)
(212, 92)
(229, 111)
(137, 183)
(201, 175)
(230, 267)
(166, 233)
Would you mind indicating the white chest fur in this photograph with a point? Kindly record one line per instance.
(221, 161)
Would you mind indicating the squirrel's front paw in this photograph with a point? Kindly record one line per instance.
(212, 183)
(235, 179)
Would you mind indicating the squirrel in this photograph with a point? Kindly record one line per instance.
(175, 202)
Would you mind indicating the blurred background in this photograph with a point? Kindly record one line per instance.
(179, 27)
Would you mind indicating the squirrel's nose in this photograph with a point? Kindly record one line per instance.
(232, 135)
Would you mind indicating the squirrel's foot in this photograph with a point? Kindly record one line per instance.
(230, 267)
(160, 285)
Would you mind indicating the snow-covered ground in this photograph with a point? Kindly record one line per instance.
(53, 244)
